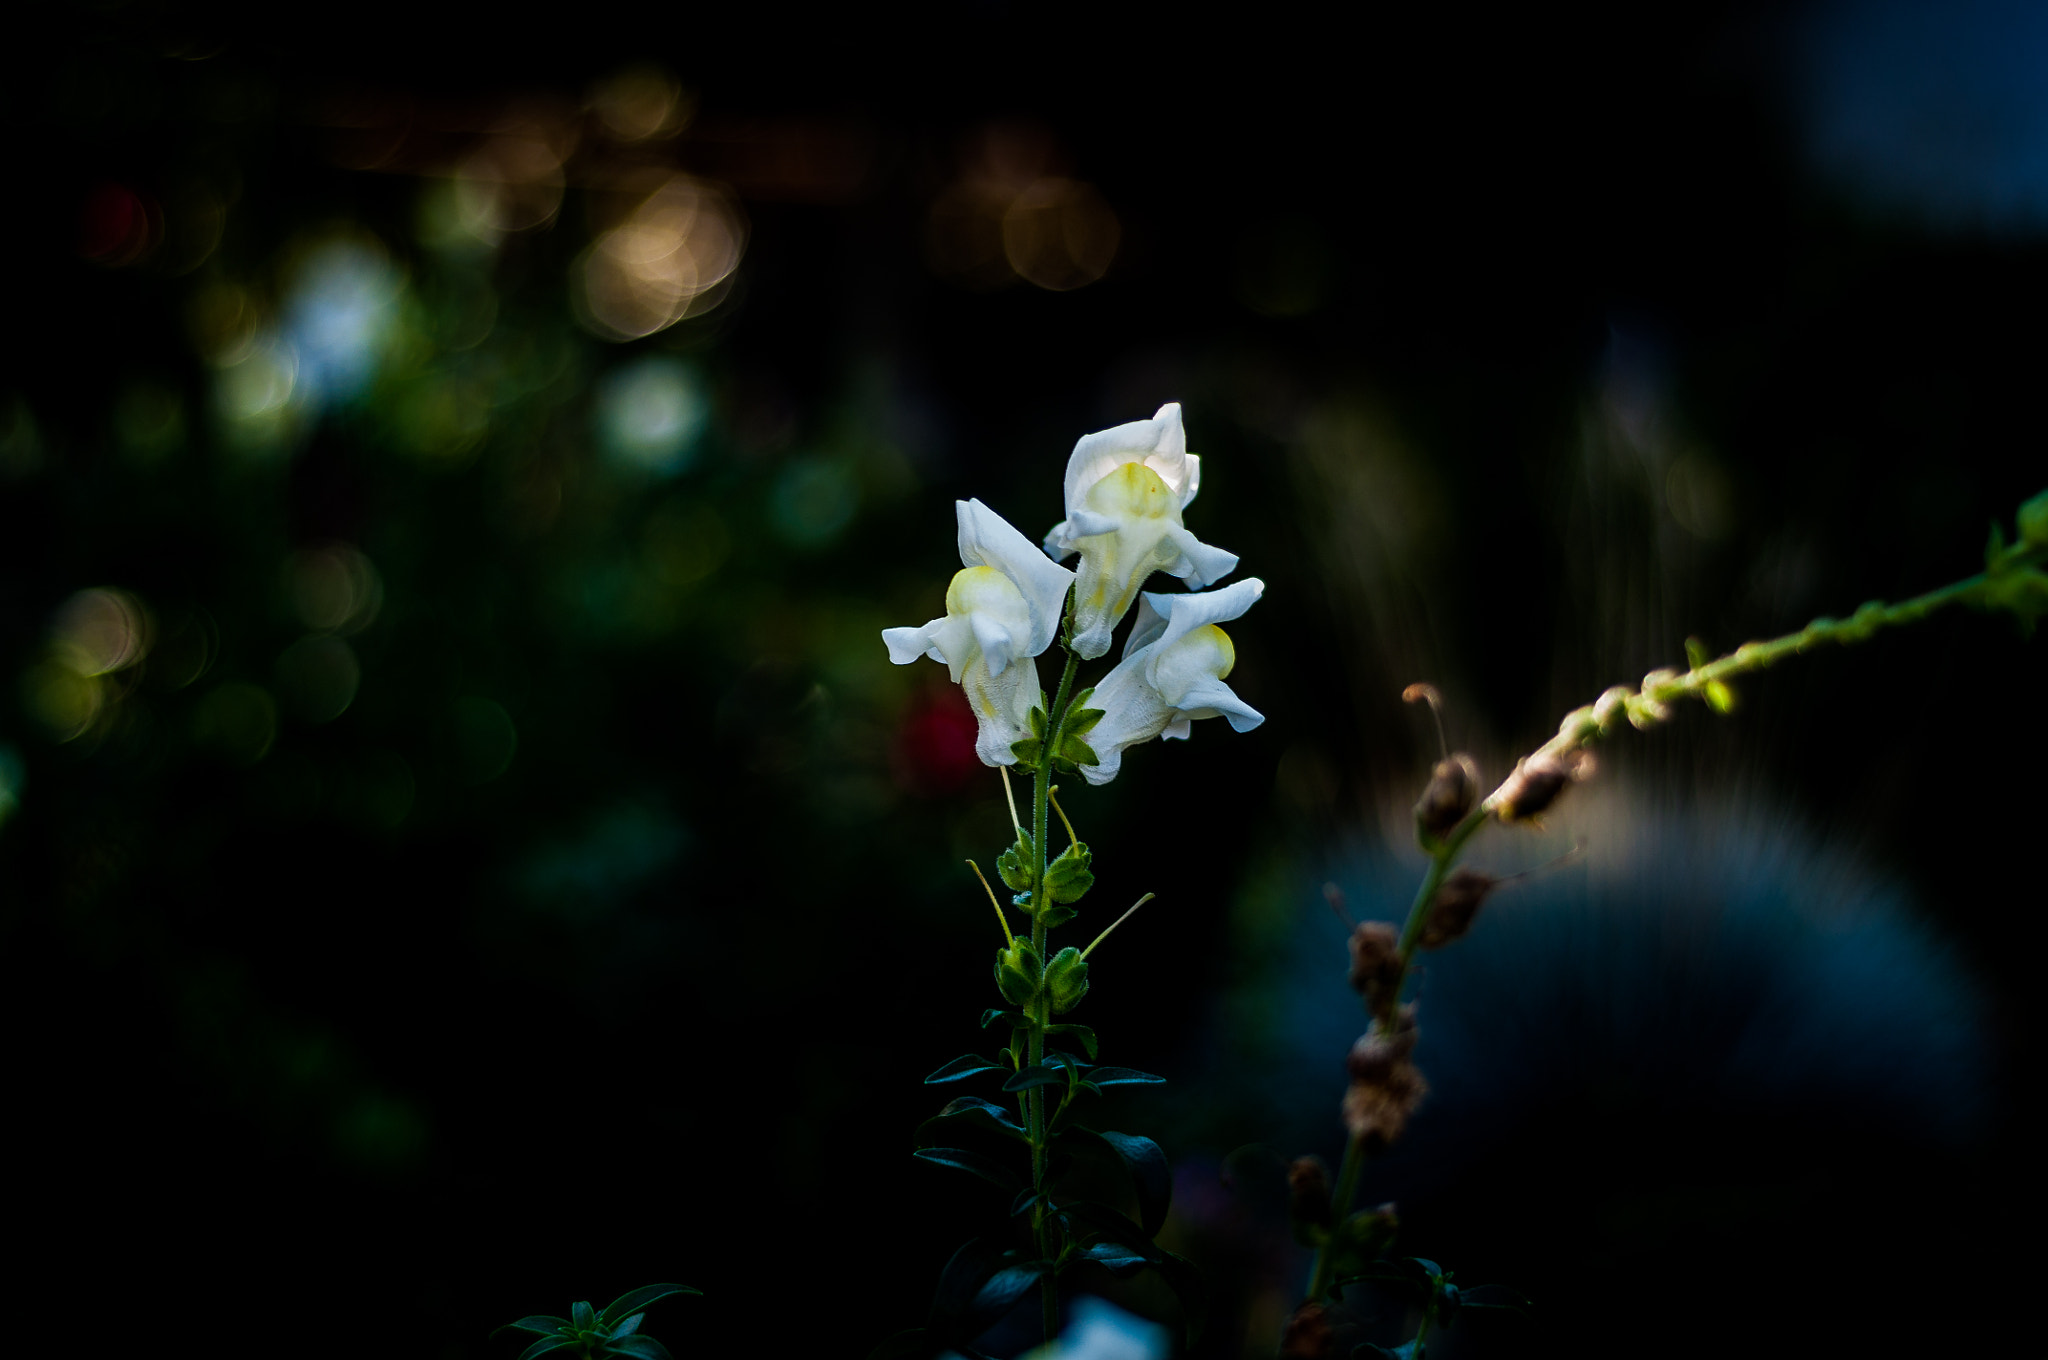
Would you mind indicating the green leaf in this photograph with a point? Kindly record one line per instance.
(1180, 1274)
(974, 1164)
(1365, 1350)
(629, 1326)
(1123, 1076)
(546, 1344)
(640, 1299)
(1150, 1176)
(582, 1317)
(1037, 721)
(1069, 877)
(1120, 1260)
(1036, 1076)
(1994, 549)
(965, 1066)
(1081, 718)
(1075, 751)
(1027, 750)
(1005, 1287)
(961, 1280)
(539, 1322)
(639, 1347)
(1056, 916)
(994, 1013)
(1084, 1035)
(977, 1287)
(975, 1113)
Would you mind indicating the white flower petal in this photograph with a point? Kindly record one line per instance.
(1151, 622)
(1199, 564)
(1214, 699)
(1180, 729)
(994, 640)
(1002, 707)
(1182, 614)
(908, 644)
(989, 540)
(1160, 443)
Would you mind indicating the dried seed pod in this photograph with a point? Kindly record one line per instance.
(1375, 963)
(1454, 907)
(1309, 1335)
(1537, 781)
(1385, 1086)
(1448, 797)
(1308, 1200)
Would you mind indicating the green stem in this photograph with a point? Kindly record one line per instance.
(1041, 793)
(1347, 1190)
(1644, 709)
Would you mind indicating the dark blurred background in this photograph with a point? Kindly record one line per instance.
(464, 849)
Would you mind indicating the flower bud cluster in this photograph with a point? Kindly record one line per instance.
(1126, 490)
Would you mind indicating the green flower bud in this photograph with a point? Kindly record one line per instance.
(1066, 979)
(1018, 970)
(1068, 878)
(1017, 865)
(2034, 522)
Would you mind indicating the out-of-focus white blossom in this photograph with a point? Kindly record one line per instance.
(1172, 673)
(1126, 489)
(1002, 609)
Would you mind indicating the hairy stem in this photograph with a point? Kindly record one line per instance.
(1041, 793)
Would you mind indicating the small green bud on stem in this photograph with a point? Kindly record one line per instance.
(1018, 970)
(1066, 980)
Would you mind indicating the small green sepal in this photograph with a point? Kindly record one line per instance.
(1069, 877)
(1018, 969)
(1015, 865)
(1066, 979)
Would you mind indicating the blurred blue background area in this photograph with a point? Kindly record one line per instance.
(465, 848)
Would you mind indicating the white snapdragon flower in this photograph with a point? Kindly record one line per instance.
(1002, 609)
(1172, 673)
(1126, 488)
